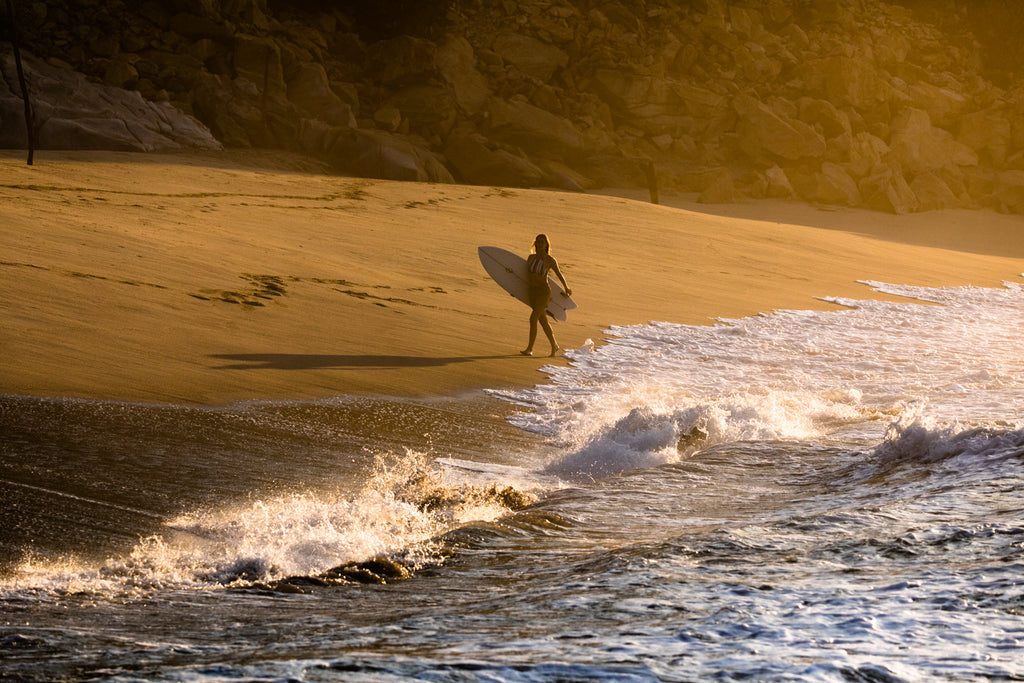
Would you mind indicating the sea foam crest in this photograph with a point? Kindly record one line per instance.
(652, 393)
(406, 503)
(647, 437)
(916, 438)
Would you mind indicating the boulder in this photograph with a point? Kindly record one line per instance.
(942, 104)
(918, 146)
(404, 60)
(699, 101)
(755, 63)
(825, 117)
(765, 132)
(560, 176)
(532, 57)
(457, 65)
(429, 109)
(833, 185)
(866, 153)
(195, 26)
(517, 122)
(72, 112)
(231, 110)
(933, 193)
(778, 185)
(627, 92)
(258, 59)
(310, 90)
(377, 154)
(1009, 191)
(887, 190)
(988, 132)
(1015, 162)
(88, 133)
(720, 190)
(247, 12)
(614, 170)
(854, 82)
(313, 135)
(388, 118)
(121, 73)
(478, 161)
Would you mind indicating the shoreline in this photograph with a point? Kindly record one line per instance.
(210, 279)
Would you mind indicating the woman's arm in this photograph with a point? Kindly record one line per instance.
(554, 267)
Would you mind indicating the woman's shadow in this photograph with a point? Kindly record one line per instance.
(313, 361)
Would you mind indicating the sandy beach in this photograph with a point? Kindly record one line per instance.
(206, 279)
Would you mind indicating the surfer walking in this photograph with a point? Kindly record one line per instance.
(538, 264)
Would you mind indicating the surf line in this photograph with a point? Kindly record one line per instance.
(92, 501)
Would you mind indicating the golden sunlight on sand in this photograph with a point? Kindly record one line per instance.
(211, 278)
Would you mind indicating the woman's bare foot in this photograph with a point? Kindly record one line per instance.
(526, 352)
(555, 351)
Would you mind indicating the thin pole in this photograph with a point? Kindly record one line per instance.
(29, 127)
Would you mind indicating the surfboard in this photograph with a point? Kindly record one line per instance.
(509, 271)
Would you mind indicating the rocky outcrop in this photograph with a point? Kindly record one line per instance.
(72, 113)
(849, 102)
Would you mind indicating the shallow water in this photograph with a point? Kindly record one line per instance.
(830, 496)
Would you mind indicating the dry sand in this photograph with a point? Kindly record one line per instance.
(212, 278)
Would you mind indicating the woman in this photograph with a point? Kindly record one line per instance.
(538, 263)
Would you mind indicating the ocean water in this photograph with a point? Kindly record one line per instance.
(801, 496)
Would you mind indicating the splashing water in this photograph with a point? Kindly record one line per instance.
(826, 496)
(655, 393)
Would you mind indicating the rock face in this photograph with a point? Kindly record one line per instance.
(846, 102)
(72, 113)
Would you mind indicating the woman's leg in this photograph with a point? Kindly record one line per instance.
(534, 317)
(539, 299)
(551, 335)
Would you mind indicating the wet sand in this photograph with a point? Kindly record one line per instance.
(205, 279)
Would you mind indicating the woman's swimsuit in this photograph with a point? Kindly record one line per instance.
(538, 291)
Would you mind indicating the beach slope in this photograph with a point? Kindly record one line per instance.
(210, 278)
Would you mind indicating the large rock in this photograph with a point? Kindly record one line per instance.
(777, 184)
(310, 90)
(918, 146)
(699, 101)
(478, 161)
(764, 131)
(1009, 191)
(942, 104)
(854, 82)
(933, 193)
(833, 185)
(720, 190)
(376, 154)
(518, 122)
(231, 108)
(988, 132)
(258, 59)
(887, 190)
(404, 60)
(825, 117)
(632, 93)
(533, 57)
(866, 154)
(71, 112)
(457, 65)
(429, 109)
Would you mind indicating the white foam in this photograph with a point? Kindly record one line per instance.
(304, 533)
(652, 393)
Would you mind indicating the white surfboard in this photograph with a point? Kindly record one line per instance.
(509, 270)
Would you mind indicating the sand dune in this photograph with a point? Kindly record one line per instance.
(209, 278)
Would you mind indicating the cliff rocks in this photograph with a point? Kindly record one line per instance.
(846, 102)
